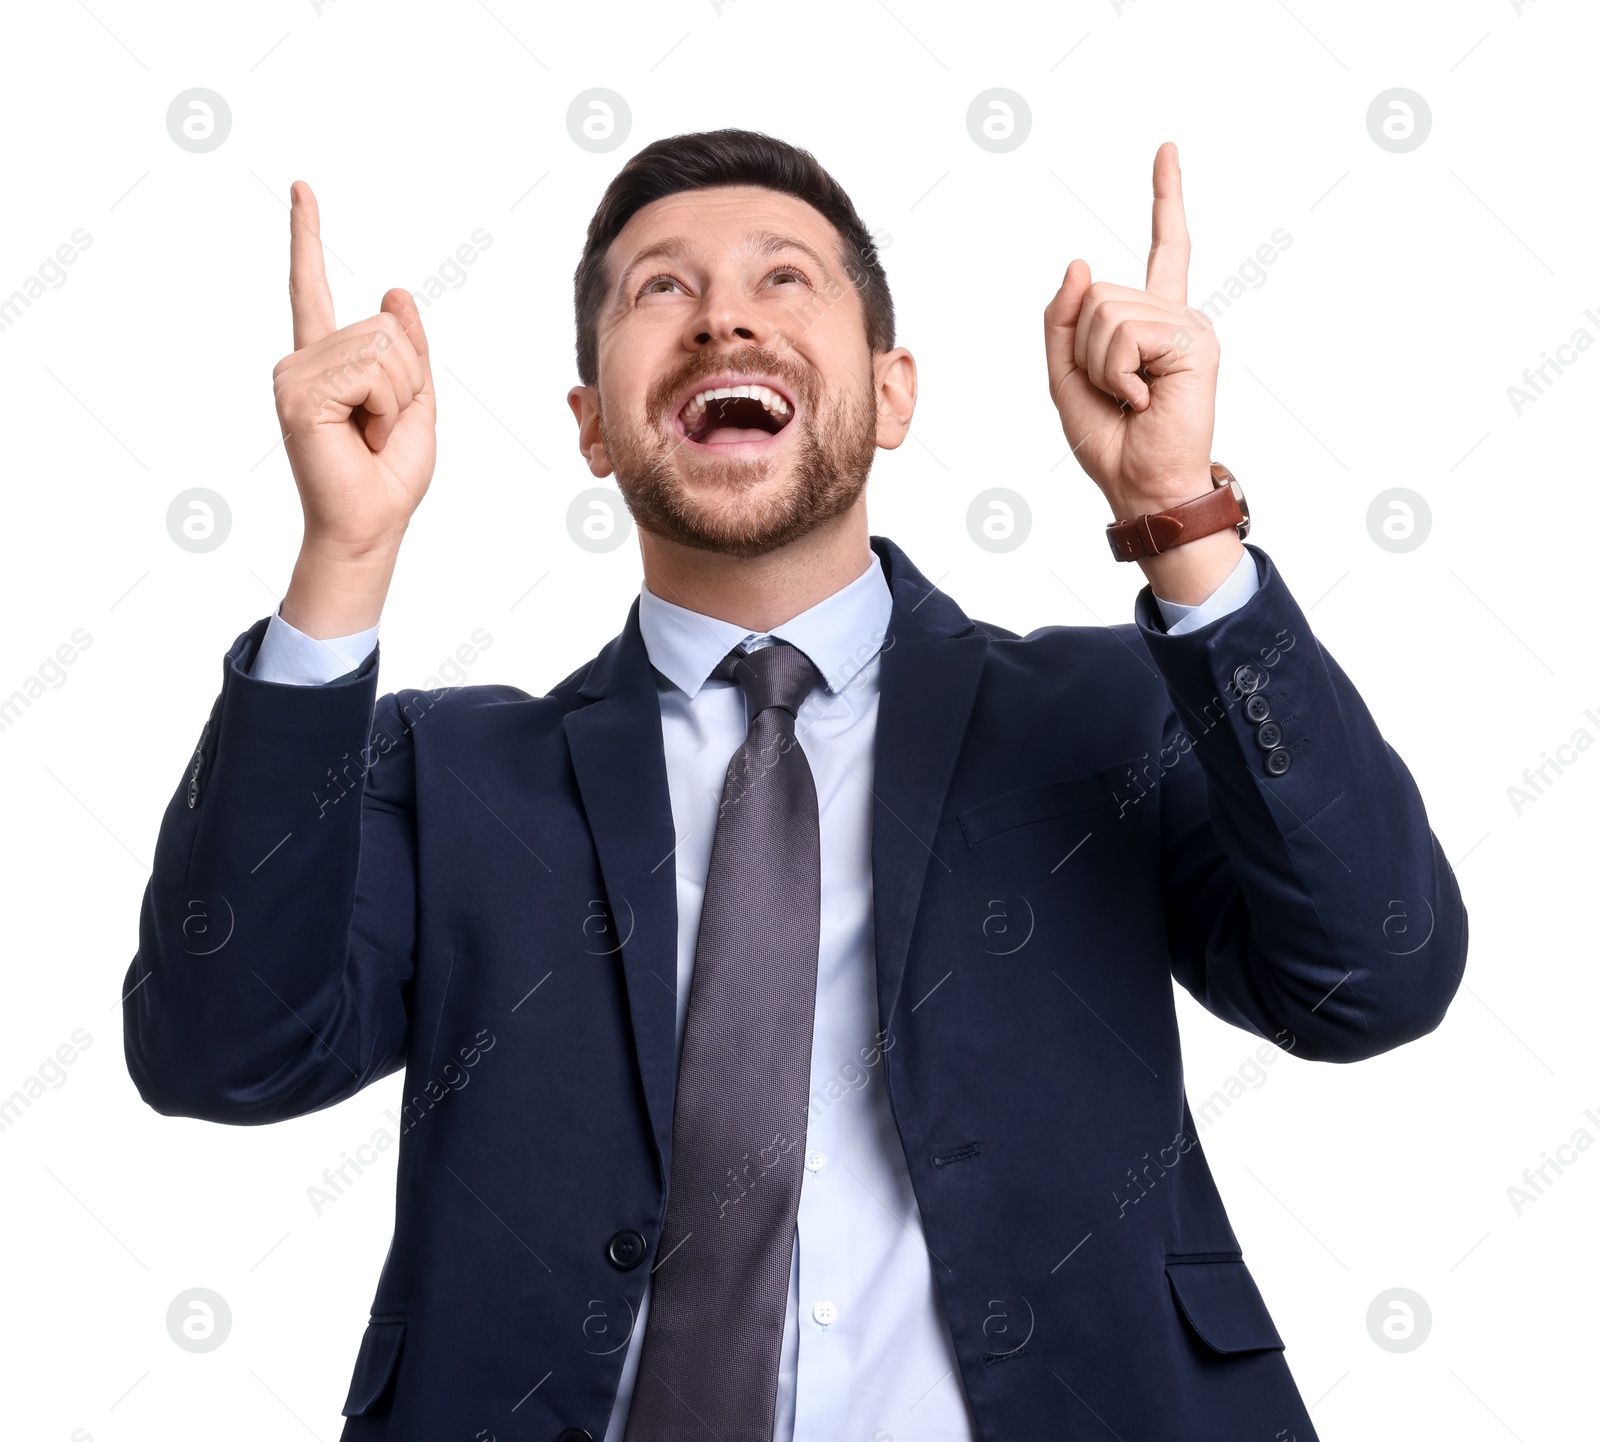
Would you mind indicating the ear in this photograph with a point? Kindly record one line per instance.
(895, 386)
(585, 403)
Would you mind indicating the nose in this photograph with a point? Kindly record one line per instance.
(725, 315)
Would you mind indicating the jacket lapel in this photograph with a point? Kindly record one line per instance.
(931, 662)
(616, 748)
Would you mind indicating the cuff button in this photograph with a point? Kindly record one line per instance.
(1256, 708)
(1270, 736)
(1247, 680)
(1278, 762)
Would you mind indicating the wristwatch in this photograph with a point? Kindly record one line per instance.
(1150, 535)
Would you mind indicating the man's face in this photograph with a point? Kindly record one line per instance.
(736, 288)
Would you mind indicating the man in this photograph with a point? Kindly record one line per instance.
(786, 997)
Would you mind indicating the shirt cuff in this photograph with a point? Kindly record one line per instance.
(1241, 584)
(292, 658)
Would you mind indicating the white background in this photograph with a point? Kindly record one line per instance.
(1377, 353)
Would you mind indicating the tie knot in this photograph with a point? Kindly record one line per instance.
(778, 675)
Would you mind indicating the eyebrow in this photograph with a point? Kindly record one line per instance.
(762, 243)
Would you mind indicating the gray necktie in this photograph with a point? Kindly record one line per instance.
(708, 1371)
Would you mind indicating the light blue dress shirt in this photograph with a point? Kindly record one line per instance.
(867, 1353)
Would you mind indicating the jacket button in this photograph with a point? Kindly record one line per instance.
(625, 1250)
(1247, 679)
(1270, 736)
(1278, 762)
(1256, 708)
(194, 792)
(573, 1434)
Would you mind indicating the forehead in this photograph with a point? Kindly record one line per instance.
(737, 222)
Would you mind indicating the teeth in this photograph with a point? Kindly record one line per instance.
(767, 396)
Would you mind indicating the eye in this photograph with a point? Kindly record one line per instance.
(656, 280)
(795, 271)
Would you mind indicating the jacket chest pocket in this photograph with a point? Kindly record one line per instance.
(1091, 797)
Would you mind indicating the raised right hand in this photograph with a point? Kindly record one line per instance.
(357, 411)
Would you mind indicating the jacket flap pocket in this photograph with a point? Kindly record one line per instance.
(1027, 804)
(374, 1364)
(1222, 1303)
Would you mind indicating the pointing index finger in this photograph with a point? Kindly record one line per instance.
(1168, 273)
(309, 297)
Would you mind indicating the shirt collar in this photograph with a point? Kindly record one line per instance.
(840, 634)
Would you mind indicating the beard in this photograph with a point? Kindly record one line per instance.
(729, 506)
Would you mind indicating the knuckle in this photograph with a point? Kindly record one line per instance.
(293, 407)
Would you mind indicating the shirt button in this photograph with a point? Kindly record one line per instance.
(814, 1161)
(824, 1313)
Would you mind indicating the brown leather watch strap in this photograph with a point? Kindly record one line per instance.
(1150, 535)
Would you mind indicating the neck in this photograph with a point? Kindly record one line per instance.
(760, 592)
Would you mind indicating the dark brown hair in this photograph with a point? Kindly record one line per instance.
(725, 157)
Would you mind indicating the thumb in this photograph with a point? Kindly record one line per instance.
(403, 308)
(1061, 327)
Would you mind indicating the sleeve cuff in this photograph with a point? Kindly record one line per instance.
(292, 658)
(1241, 584)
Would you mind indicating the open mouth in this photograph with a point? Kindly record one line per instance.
(733, 413)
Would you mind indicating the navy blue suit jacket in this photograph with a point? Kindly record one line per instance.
(468, 884)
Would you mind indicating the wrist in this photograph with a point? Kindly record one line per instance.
(338, 590)
(1148, 500)
(1189, 573)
